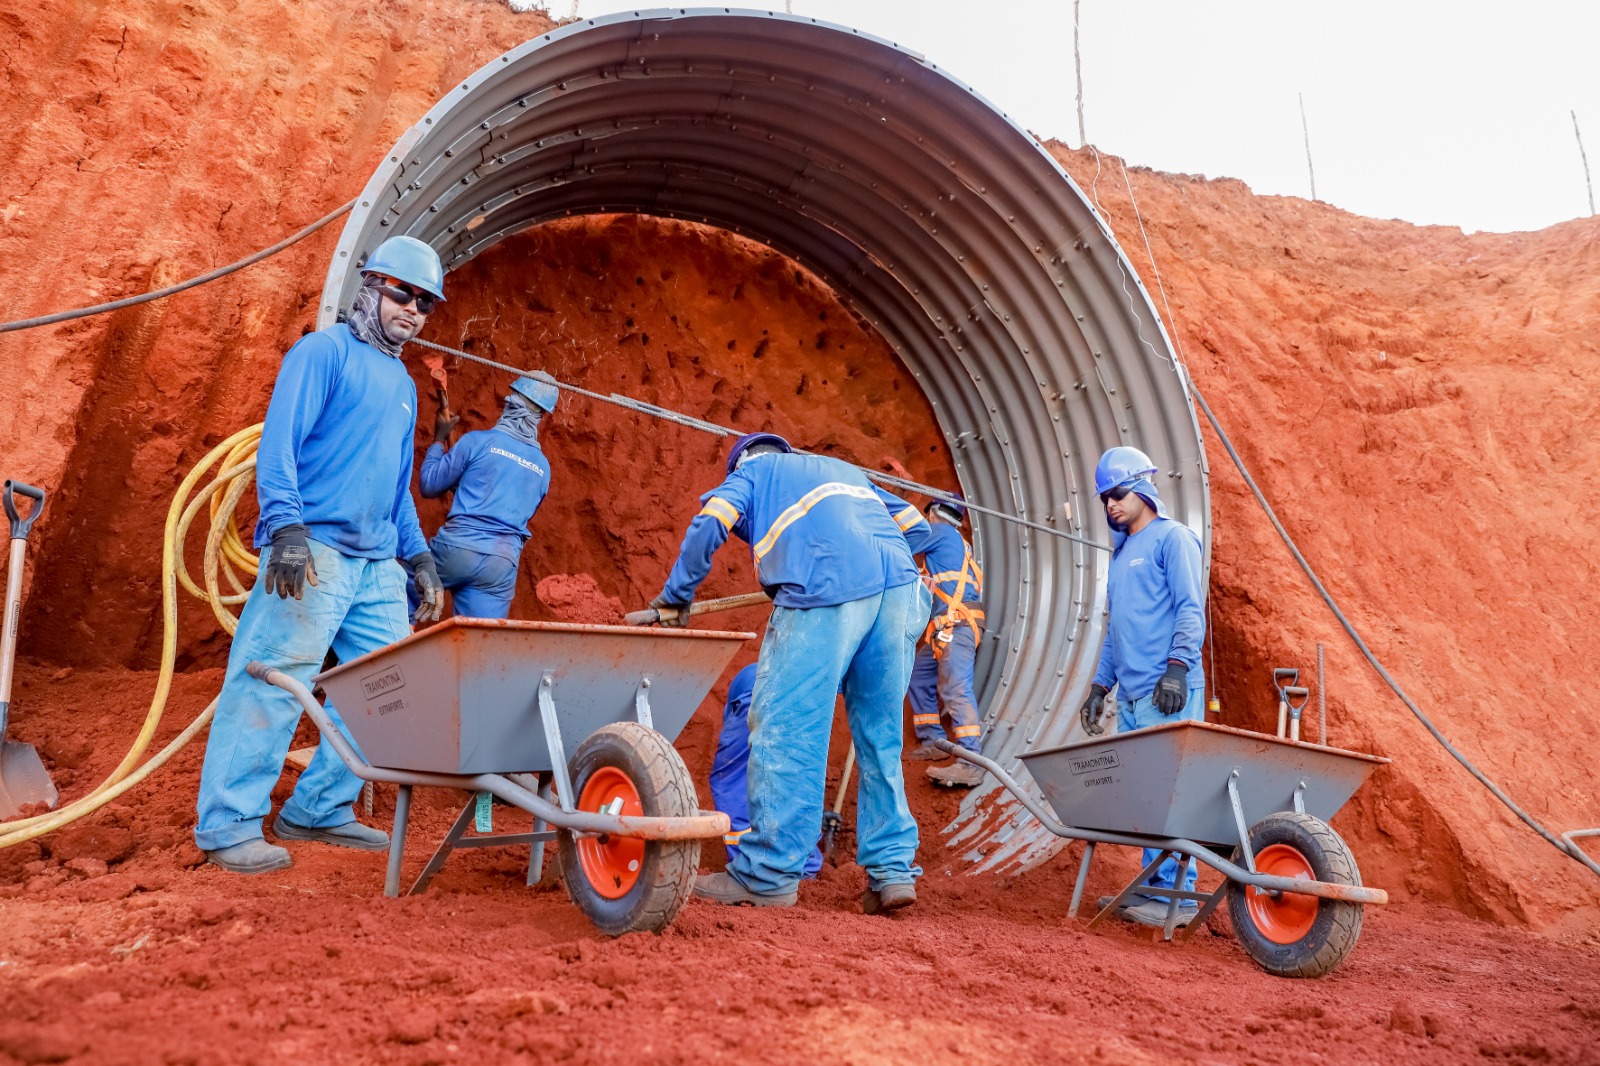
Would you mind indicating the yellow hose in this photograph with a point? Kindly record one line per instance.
(226, 557)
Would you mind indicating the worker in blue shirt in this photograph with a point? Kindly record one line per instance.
(834, 552)
(730, 777)
(500, 476)
(942, 672)
(1155, 625)
(333, 480)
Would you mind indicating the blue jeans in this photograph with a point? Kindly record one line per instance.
(357, 606)
(1141, 714)
(946, 680)
(480, 584)
(868, 645)
(730, 783)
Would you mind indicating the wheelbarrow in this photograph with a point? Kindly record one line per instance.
(1191, 789)
(491, 706)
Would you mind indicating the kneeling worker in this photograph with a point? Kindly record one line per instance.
(333, 478)
(500, 476)
(1157, 622)
(942, 673)
(848, 608)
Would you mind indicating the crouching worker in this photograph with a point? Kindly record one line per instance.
(500, 476)
(848, 608)
(730, 769)
(1157, 622)
(333, 479)
(942, 673)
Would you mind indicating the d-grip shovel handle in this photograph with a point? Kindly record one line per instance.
(20, 526)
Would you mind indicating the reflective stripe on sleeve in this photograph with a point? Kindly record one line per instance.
(722, 511)
(907, 518)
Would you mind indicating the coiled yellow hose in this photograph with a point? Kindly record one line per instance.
(226, 559)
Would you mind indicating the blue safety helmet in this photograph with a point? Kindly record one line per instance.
(1120, 466)
(412, 261)
(539, 388)
(750, 440)
(955, 507)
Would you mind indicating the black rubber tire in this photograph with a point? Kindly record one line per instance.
(1337, 926)
(667, 871)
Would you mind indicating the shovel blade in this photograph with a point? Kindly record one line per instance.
(23, 779)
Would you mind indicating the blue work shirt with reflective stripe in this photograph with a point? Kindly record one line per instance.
(821, 533)
(336, 450)
(499, 481)
(1158, 613)
(947, 555)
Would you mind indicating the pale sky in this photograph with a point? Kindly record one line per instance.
(1425, 110)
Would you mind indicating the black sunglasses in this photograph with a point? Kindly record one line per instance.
(1117, 493)
(404, 294)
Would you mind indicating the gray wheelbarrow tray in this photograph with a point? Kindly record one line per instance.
(1187, 788)
(490, 705)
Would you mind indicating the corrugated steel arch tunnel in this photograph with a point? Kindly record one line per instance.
(933, 216)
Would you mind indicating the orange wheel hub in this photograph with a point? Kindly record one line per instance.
(612, 864)
(1286, 918)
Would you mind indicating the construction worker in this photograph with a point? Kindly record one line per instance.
(500, 476)
(848, 609)
(1155, 625)
(942, 673)
(333, 479)
(730, 767)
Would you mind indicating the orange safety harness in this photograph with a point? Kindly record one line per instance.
(957, 611)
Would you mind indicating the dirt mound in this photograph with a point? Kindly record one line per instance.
(577, 598)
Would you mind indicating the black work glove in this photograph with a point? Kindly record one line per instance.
(443, 425)
(1172, 691)
(680, 621)
(1093, 707)
(429, 589)
(289, 564)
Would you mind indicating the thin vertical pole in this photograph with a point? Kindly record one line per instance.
(1306, 130)
(1585, 157)
(1322, 702)
(1077, 63)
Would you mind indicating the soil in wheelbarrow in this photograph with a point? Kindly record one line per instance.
(118, 946)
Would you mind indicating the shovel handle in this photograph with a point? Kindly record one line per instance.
(21, 526)
(652, 615)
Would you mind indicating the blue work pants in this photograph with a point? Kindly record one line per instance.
(868, 645)
(480, 584)
(1141, 714)
(945, 681)
(357, 606)
(730, 784)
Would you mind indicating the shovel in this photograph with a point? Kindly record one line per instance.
(23, 779)
(652, 615)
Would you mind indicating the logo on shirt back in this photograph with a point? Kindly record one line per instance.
(519, 460)
(1136, 562)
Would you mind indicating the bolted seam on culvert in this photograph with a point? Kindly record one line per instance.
(932, 214)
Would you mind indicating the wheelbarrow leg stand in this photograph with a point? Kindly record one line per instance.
(1127, 890)
(540, 827)
(1083, 879)
(397, 841)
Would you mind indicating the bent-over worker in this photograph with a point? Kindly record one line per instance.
(500, 477)
(848, 608)
(1155, 626)
(333, 479)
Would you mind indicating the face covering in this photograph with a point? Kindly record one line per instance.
(520, 419)
(366, 321)
(1146, 492)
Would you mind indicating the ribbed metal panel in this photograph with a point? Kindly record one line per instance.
(931, 214)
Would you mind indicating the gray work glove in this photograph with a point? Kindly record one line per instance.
(1093, 707)
(1172, 691)
(429, 589)
(681, 621)
(289, 563)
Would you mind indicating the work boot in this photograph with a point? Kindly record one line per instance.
(888, 898)
(1153, 912)
(959, 774)
(251, 857)
(724, 888)
(926, 752)
(1105, 901)
(349, 835)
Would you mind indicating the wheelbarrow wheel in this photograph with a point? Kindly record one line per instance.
(625, 884)
(1290, 935)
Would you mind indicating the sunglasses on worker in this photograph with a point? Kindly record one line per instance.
(1118, 493)
(403, 294)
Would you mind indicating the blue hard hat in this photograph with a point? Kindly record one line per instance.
(1120, 466)
(539, 388)
(955, 507)
(750, 439)
(412, 261)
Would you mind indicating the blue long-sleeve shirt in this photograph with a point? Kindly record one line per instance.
(1157, 603)
(336, 450)
(946, 558)
(821, 533)
(499, 482)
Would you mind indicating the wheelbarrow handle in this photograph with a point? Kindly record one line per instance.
(21, 526)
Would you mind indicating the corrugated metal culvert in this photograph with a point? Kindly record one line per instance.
(930, 212)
